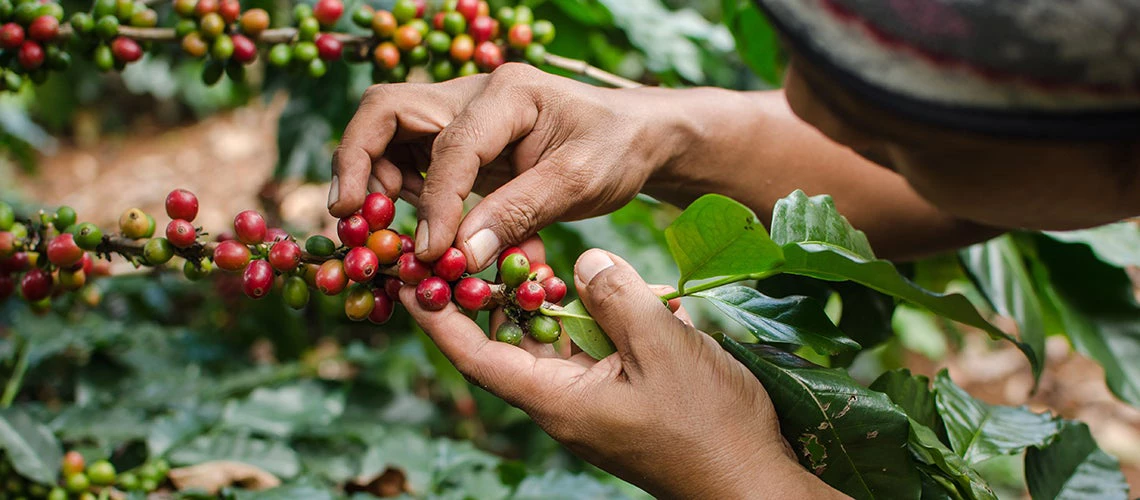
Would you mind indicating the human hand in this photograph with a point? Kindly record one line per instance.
(542, 147)
(670, 411)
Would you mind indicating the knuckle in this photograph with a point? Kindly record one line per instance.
(519, 217)
(612, 287)
(455, 138)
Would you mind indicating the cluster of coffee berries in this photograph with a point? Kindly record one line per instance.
(527, 288)
(311, 50)
(98, 34)
(29, 42)
(207, 28)
(97, 480)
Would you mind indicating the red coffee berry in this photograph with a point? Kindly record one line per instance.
(231, 255)
(509, 252)
(469, 8)
(382, 307)
(11, 35)
(275, 234)
(36, 285)
(379, 210)
(285, 256)
(7, 287)
(331, 279)
(450, 265)
(481, 29)
(62, 251)
(230, 10)
(488, 56)
(31, 55)
(541, 271)
(182, 204)
(384, 24)
(206, 7)
(472, 294)
(44, 28)
(421, 6)
(555, 289)
(392, 287)
(180, 233)
(437, 20)
(7, 244)
(530, 296)
(360, 264)
(245, 51)
(386, 245)
(249, 226)
(433, 293)
(328, 48)
(125, 49)
(413, 270)
(18, 262)
(407, 37)
(407, 244)
(386, 55)
(353, 231)
(257, 280)
(520, 36)
(86, 264)
(328, 12)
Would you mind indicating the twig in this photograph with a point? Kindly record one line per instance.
(585, 69)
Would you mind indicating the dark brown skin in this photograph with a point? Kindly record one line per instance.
(544, 148)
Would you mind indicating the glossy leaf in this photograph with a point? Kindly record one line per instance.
(275, 457)
(928, 449)
(715, 237)
(798, 218)
(31, 447)
(979, 431)
(1074, 467)
(1117, 244)
(584, 331)
(285, 410)
(853, 438)
(756, 41)
(796, 320)
(912, 393)
(171, 430)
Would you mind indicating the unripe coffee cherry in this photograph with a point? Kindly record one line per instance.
(510, 332)
(249, 226)
(158, 251)
(11, 35)
(433, 293)
(308, 28)
(535, 54)
(7, 244)
(386, 245)
(543, 32)
(451, 265)
(462, 48)
(77, 483)
(386, 55)
(195, 271)
(327, 12)
(181, 233)
(407, 37)
(507, 253)
(555, 289)
(382, 307)
(473, 294)
(150, 227)
(222, 48)
(245, 51)
(392, 286)
(541, 271)
(194, 46)
(65, 218)
(360, 264)
(412, 270)
(35, 285)
(101, 473)
(211, 25)
(231, 255)
(488, 56)
(330, 278)
(280, 55)
(230, 10)
(328, 47)
(285, 256)
(515, 270)
(257, 280)
(384, 24)
(7, 216)
(481, 29)
(72, 463)
(320, 246)
(182, 204)
(43, 29)
(352, 230)
(63, 252)
(359, 303)
(185, 8)
(520, 36)
(295, 292)
(205, 7)
(362, 16)
(254, 21)
(544, 329)
(31, 55)
(378, 210)
(71, 281)
(530, 296)
(454, 23)
(405, 10)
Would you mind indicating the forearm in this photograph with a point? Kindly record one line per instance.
(751, 147)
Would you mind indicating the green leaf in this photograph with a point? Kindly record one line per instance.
(798, 218)
(853, 438)
(717, 237)
(285, 410)
(274, 457)
(979, 431)
(31, 447)
(928, 449)
(106, 426)
(911, 393)
(756, 41)
(1117, 244)
(584, 331)
(796, 320)
(998, 269)
(562, 485)
(831, 263)
(1073, 467)
(171, 430)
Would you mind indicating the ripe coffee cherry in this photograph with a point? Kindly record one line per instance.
(352, 230)
(359, 303)
(510, 332)
(35, 285)
(254, 21)
(7, 244)
(472, 294)
(181, 233)
(72, 463)
(545, 329)
(257, 280)
(462, 48)
(407, 244)
(450, 265)
(43, 29)
(515, 270)
(158, 251)
(18, 262)
(386, 55)
(386, 245)
(205, 7)
(275, 234)
(360, 264)
(481, 29)
(437, 21)
(520, 36)
(7, 287)
(31, 55)
(413, 270)
(285, 256)
(63, 252)
(555, 289)
(488, 56)
(530, 296)
(541, 271)
(230, 10)
(182, 204)
(433, 293)
(328, 12)
(328, 48)
(125, 49)
(11, 35)
(384, 24)
(408, 37)
(249, 226)
(195, 271)
(382, 307)
(295, 292)
(469, 8)
(231, 255)
(392, 287)
(245, 51)
(331, 279)
(378, 210)
(320, 246)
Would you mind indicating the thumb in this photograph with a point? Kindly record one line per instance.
(625, 306)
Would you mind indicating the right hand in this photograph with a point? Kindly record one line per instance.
(541, 147)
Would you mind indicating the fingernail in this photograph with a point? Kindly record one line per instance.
(592, 263)
(374, 186)
(483, 245)
(422, 236)
(334, 191)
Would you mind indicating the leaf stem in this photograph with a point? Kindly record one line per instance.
(17, 380)
(727, 280)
